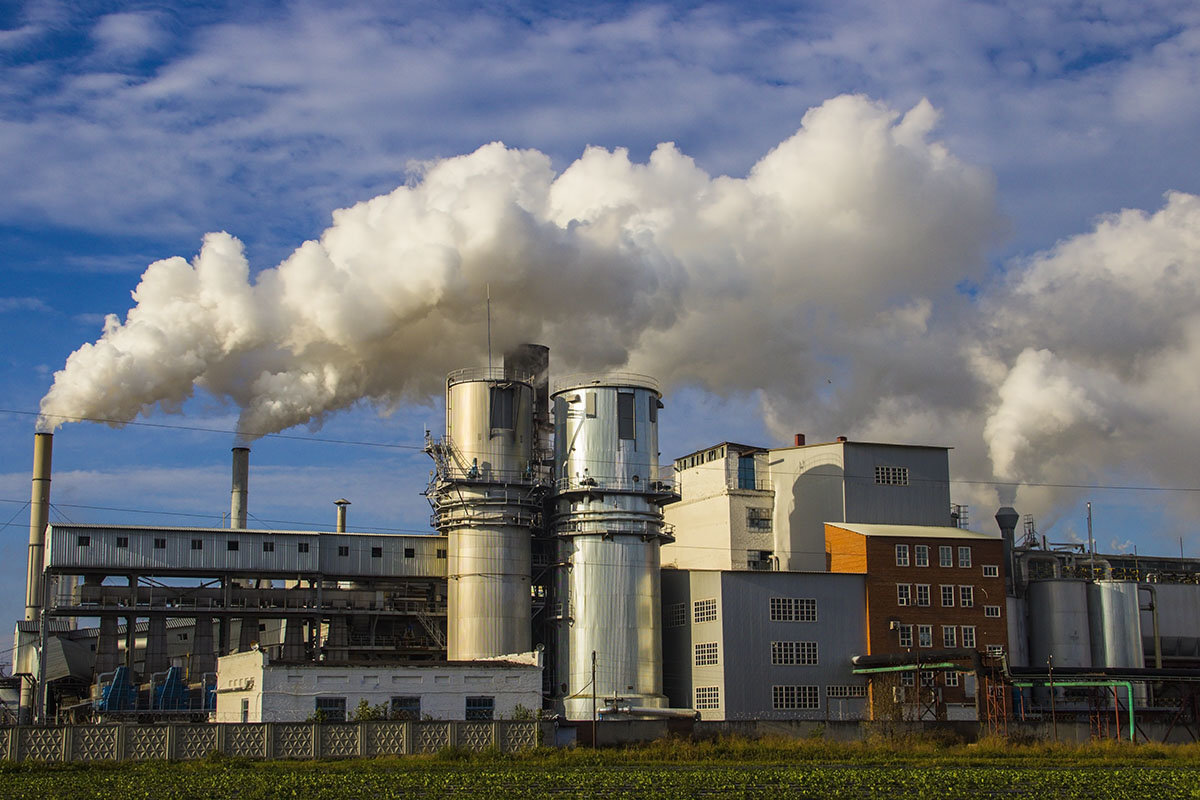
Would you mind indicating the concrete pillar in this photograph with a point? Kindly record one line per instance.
(106, 645)
(203, 658)
(293, 639)
(156, 645)
(247, 634)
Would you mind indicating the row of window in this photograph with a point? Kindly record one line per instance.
(234, 545)
(709, 697)
(928, 678)
(707, 654)
(891, 476)
(333, 709)
(782, 609)
(965, 594)
(920, 557)
(952, 635)
(759, 519)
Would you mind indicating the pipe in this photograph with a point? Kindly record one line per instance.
(1153, 609)
(341, 514)
(241, 487)
(647, 711)
(39, 513)
(1110, 684)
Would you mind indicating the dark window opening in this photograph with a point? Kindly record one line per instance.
(122, 541)
(343, 550)
(268, 547)
(302, 547)
(197, 544)
(84, 541)
(502, 405)
(441, 553)
(160, 544)
(376, 552)
(655, 405)
(231, 545)
(625, 416)
(746, 472)
(406, 708)
(481, 707)
(410, 552)
(331, 709)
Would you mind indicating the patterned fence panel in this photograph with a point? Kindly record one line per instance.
(476, 736)
(145, 742)
(246, 739)
(40, 744)
(293, 740)
(432, 736)
(386, 738)
(94, 742)
(513, 736)
(339, 739)
(194, 741)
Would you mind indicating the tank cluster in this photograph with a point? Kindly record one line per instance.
(555, 545)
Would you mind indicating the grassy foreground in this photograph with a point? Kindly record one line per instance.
(908, 768)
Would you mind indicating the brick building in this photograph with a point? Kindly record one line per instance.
(927, 588)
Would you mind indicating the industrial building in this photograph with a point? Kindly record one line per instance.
(571, 572)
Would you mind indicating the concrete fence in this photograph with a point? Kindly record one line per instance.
(183, 741)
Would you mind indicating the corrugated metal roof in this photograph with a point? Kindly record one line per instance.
(911, 531)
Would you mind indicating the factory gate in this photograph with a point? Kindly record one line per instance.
(308, 740)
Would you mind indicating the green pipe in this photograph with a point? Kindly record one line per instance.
(904, 668)
(1127, 684)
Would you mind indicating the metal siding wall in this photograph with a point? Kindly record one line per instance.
(925, 501)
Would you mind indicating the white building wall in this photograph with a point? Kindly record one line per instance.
(288, 692)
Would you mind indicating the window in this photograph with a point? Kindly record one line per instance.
(197, 544)
(160, 544)
(952, 678)
(906, 679)
(803, 653)
(481, 708)
(502, 411)
(968, 636)
(922, 594)
(652, 409)
(891, 476)
(746, 475)
(377, 552)
(441, 553)
(924, 636)
(949, 636)
(903, 594)
(409, 552)
(343, 550)
(331, 709)
(268, 547)
(84, 541)
(992, 611)
(231, 545)
(837, 692)
(245, 710)
(926, 677)
(901, 555)
(906, 639)
(405, 708)
(707, 697)
(676, 615)
(945, 556)
(996, 650)
(966, 596)
(795, 697)
(704, 610)
(793, 609)
(991, 571)
(758, 519)
(706, 654)
(759, 560)
(122, 541)
(947, 596)
(964, 556)
(624, 415)
(921, 555)
(302, 547)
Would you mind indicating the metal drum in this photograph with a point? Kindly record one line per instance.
(1115, 624)
(1058, 623)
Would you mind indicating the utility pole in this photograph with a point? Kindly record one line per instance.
(1053, 718)
(594, 743)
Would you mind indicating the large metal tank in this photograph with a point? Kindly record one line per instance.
(484, 500)
(607, 517)
(1058, 623)
(1178, 622)
(1115, 625)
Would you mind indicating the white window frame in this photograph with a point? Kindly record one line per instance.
(907, 679)
(906, 635)
(991, 612)
(952, 677)
(796, 697)
(901, 555)
(968, 637)
(966, 596)
(707, 654)
(949, 636)
(922, 595)
(921, 555)
(924, 636)
(991, 571)
(947, 595)
(704, 610)
(945, 555)
(707, 698)
(792, 609)
(964, 557)
(904, 594)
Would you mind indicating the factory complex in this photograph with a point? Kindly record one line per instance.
(574, 575)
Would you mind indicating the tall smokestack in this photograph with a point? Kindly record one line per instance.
(241, 487)
(39, 514)
(1007, 518)
(341, 514)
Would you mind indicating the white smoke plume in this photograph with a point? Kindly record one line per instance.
(828, 279)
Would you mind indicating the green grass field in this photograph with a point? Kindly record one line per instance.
(909, 768)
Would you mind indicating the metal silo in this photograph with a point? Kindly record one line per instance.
(1058, 623)
(607, 518)
(1116, 624)
(485, 500)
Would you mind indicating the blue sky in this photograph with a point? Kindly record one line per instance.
(949, 262)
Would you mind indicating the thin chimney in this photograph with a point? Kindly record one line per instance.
(241, 487)
(799, 440)
(341, 514)
(39, 515)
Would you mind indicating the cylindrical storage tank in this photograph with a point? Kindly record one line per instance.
(1115, 624)
(485, 505)
(1058, 623)
(607, 517)
(1018, 632)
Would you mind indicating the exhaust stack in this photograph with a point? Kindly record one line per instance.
(39, 514)
(341, 514)
(241, 487)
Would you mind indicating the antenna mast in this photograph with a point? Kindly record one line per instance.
(489, 326)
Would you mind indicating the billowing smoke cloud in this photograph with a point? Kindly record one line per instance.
(829, 279)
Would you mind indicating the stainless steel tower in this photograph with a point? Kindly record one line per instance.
(607, 517)
(485, 499)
